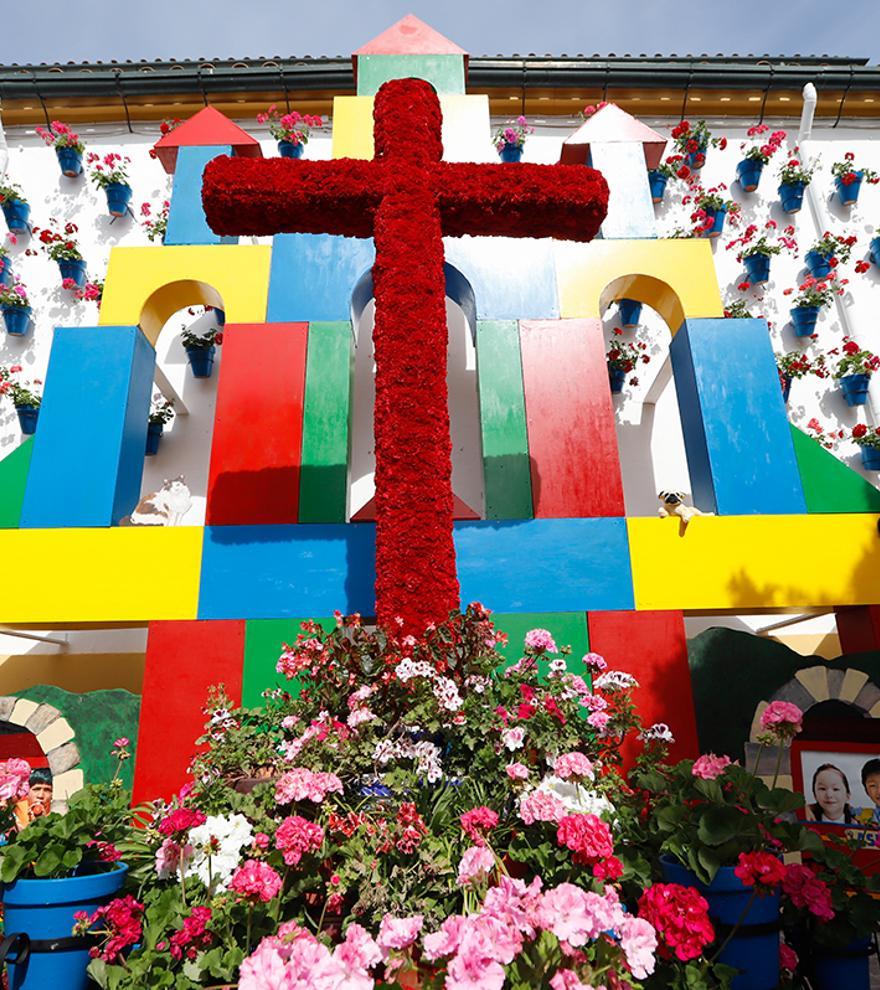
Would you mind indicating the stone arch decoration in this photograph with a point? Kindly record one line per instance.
(55, 737)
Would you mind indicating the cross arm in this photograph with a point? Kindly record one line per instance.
(568, 202)
(279, 195)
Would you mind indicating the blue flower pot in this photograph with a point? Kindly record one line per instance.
(870, 458)
(75, 270)
(748, 171)
(657, 181)
(786, 387)
(17, 319)
(717, 218)
(616, 377)
(818, 264)
(754, 950)
(855, 389)
(696, 159)
(630, 311)
(791, 196)
(287, 149)
(118, 198)
(201, 360)
(17, 214)
(154, 436)
(43, 910)
(27, 418)
(874, 250)
(848, 194)
(757, 268)
(511, 153)
(5, 271)
(833, 969)
(804, 320)
(70, 160)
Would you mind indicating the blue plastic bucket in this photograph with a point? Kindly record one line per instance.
(5, 271)
(616, 378)
(697, 159)
(511, 153)
(791, 196)
(44, 910)
(754, 949)
(630, 310)
(118, 198)
(757, 268)
(717, 218)
(657, 181)
(818, 264)
(17, 319)
(73, 269)
(287, 149)
(804, 320)
(17, 214)
(870, 458)
(154, 436)
(201, 360)
(855, 389)
(27, 419)
(848, 194)
(70, 160)
(834, 969)
(749, 173)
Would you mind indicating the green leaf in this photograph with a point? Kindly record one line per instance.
(718, 825)
(49, 861)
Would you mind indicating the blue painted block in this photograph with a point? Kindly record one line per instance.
(313, 276)
(186, 218)
(536, 565)
(630, 209)
(89, 449)
(512, 278)
(736, 434)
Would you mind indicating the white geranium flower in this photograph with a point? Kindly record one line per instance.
(217, 846)
(576, 798)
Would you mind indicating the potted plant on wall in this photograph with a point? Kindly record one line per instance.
(623, 357)
(61, 247)
(693, 141)
(161, 413)
(68, 147)
(794, 177)
(291, 130)
(16, 209)
(795, 365)
(666, 170)
(5, 266)
(155, 225)
(828, 252)
(848, 179)
(200, 347)
(510, 139)
(868, 440)
(15, 308)
(814, 295)
(757, 155)
(711, 208)
(756, 250)
(25, 396)
(110, 173)
(874, 248)
(853, 371)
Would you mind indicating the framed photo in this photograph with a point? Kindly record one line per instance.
(840, 782)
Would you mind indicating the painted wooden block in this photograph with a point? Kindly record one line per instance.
(575, 464)
(93, 428)
(186, 218)
(254, 475)
(184, 660)
(313, 276)
(652, 646)
(263, 642)
(506, 468)
(829, 484)
(444, 72)
(323, 488)
(567, 628)
(737, 439)
(147, 285)
(14, 470)
(612, 125)
(208, 127)
(630, 209)
(409, 36)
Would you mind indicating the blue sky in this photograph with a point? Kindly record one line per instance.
(91, 30)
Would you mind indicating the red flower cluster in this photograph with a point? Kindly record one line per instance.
(805, 890)
(759, 869)
(193, 937)
(121, 924)
(477, 822)
(587, 836)
(680, 916)
(181, 820)
(297, 836)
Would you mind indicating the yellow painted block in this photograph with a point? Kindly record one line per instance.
(147, 285)
(674, 277)
(466, 128)
(103, 575)
(853, 682)
(750, 563)
(815, 682)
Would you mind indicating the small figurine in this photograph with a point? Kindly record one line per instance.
(673, 504)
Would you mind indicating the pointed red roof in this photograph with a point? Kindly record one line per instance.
(460, 510)
(410, 36)
(610, 125)
(207, 127)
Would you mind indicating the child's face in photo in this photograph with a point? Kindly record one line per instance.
(831, 794)
(872, 786)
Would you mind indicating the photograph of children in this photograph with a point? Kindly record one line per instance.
(39, 798)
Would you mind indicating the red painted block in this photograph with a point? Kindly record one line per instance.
(858, 628)
(653, 648)
(570, 420)
(256, 452)
(184, 659)
(207, 127)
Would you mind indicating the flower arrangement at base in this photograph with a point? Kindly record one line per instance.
(155, 225)
(16, 209)
(693, 141)
(110, 173)
(291, 130)
(795, 365)
(848, 179)
(62, 248)
(756, 155)
(794, 177)
(510, 139)
(67, 144)
(15, 307)
(756, 250)
(623, 357)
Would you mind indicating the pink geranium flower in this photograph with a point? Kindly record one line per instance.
(782, 718)
(256, 881)
(709, 766)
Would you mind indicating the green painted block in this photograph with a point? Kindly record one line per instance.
(829, 484)
(444, 72)
(567, 629)
(506, 467)
(263, 641)
(13, 479)
(323, 486)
